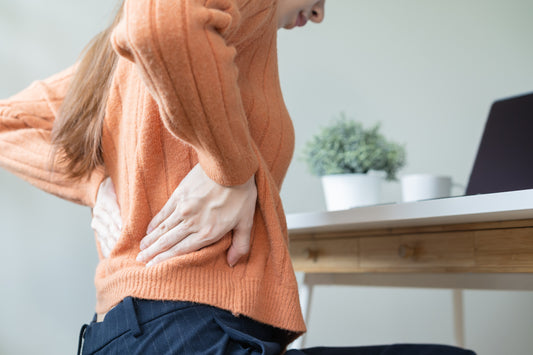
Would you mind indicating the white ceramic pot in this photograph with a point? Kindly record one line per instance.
(344, 191)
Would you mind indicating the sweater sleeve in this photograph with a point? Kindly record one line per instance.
(184, 54)
(26, 121)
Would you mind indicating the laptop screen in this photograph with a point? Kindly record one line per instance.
(504, 160)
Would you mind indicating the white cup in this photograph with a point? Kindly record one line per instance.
(417, 187)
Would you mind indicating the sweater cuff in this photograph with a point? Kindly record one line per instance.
(231, 171)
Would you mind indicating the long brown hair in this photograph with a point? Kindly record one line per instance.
(77, 131)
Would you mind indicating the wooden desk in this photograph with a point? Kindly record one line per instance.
(419, 244)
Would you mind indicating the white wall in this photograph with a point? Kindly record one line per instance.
(48, 250)
(427, 69)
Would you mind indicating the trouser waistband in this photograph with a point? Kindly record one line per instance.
(128, 315)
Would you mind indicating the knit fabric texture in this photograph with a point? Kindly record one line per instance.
(196, 82)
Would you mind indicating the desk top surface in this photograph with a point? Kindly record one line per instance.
(503, 206)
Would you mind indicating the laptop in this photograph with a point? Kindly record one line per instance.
(504, 160)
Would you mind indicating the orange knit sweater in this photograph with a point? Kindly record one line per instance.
(196, 81)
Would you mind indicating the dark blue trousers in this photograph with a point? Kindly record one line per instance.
(136, 327)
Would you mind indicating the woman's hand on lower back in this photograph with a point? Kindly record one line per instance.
(199, 213)
(106, 221)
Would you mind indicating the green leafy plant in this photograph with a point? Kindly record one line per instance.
(346, 147)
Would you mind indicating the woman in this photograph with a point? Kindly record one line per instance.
(179, 103)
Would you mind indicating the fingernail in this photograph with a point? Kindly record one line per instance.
(151, 263)
(232, 263)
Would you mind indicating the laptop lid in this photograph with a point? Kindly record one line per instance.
(504, 160)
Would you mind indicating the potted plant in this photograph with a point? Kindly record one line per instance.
(352, 161)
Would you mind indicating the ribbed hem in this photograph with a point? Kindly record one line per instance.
(277, 306)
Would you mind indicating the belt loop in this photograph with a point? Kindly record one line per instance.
(131, 317)
(80, 339)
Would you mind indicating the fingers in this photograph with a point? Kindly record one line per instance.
(198, 214)
(191, 243)
(106, 234)
(102, 240)
(106, 207)
(106, 220)
(163, 243)
(242, 234)
(105, 229)
(165, 213)
(240, 245)
(111, 206)
(181, 240)
(167, 224)
(105, 224)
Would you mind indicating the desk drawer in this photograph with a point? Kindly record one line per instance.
(325, 255)
(509, 250)
(431, 252)
(403, 253)
(478, 247)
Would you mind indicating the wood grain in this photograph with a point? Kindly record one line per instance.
(502, 246)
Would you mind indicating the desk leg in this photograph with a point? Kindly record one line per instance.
(306, 295)
(458, 318)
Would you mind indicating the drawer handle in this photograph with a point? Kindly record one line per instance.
(406, 251)
(312, 254)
